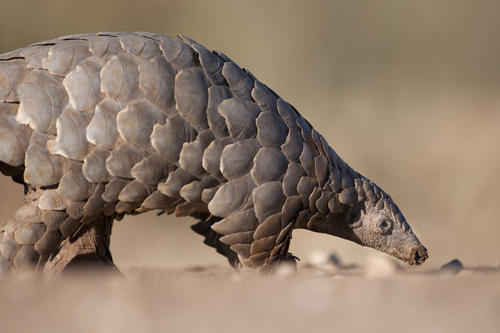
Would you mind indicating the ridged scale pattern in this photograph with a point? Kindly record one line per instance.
(114, 123)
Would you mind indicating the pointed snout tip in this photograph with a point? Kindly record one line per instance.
(418, 255)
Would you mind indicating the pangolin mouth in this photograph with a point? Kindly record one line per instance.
(418, 255)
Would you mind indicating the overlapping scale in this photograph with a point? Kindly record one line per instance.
(244, 237)
(64, 56)
(14, 137)
(306, 158)
(178, 54)
(290, 210)
(94, 166)
(41, 167)
(239, 222)
(191, 96)
(305, 187)
(135, 191)
(71, 140)
(144, 48)
(212, 157)
(291, 179)
(192, 192)
(313, 198)
(208, 193)
(168, 139)
(292, 148)
(11, 74)
(157, 200)
(269, 165)
(83, 84)
(150, 170)
(215, 120)
(322, 203)
(287, 113)
(29, 233)
(243, 250)
(191, 155)
(113, 189)
(240, 117)
(48, 242)
(175, 181)
(263, 97)
(95, 204)
(53, 219)
(135, 123)
(240, 83)
(75, 209)
(270, 226)
(33, 55)
(237, 159)
(102, 130)
(122, 159)
(52, 200)
(271, 131)
(104, 46)
(321, 169)
(120, 78)
(156, 80)
(26, 257)
(263, 244)
(73, 186)
(268, 199)
(232, 196)
(42, 99)
(211, 63)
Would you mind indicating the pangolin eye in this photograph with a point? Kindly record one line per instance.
(384, 226)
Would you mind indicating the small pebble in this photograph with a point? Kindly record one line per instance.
(453, 266)
(328, 261)
(380, 266)
(320, 259)
(285, 270)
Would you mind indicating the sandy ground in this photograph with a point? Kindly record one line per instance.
(319, 297)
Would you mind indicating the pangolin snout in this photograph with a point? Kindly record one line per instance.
(418, 255)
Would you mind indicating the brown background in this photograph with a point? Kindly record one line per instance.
(406, 92)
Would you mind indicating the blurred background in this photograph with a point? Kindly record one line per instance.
(405, 91)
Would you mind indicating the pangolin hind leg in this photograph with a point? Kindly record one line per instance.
(37, 240)
(86, 250)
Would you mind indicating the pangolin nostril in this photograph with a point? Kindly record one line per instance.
(420, 255)
(417, 257)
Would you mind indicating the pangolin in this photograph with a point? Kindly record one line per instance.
(97, 126)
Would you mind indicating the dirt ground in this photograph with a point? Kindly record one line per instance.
(320, 298)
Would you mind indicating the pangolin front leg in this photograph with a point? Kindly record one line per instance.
(98, 126)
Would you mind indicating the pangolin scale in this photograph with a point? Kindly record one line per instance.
(97, 126)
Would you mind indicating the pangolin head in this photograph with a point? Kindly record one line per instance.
(371, 218)
(379, 227)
